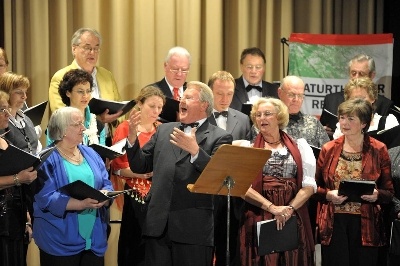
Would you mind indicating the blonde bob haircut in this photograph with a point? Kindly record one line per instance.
(282, 112)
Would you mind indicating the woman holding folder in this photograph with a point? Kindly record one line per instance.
(281, 189)
(131, 249)
(351, 232)
(15, 228)
(69, 231)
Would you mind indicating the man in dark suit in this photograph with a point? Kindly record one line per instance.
(238, 125)
(176, 68)
(250, 85)
(179, 228)
(361, 65)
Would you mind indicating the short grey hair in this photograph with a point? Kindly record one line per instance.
(177, 50)
(76, 38)
(362, 58)
(206, 94)
(59, 121)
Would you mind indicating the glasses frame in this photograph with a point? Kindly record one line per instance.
(89, 49)
(266, 114)
(291, 95)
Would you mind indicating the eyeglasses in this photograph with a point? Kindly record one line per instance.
(255, 67)
(89, 49)
(176, 71)
(266, 114)
(77, 124)
(83, 92)
(360, 74)
(292, 96)
(5, 111)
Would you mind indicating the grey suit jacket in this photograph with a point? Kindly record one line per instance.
(188, 216)
(237, 124)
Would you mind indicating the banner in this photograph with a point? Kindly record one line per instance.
(321, 60)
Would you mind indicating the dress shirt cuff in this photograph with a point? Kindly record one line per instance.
(194, 158)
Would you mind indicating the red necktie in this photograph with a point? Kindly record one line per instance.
(176, 94)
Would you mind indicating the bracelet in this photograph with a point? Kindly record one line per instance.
(269, 206)
(16, 180)
(29, 224)
(291, 207)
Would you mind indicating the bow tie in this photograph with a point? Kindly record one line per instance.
(295, 117)
(183, 126)
(250, 87)
(223, 113)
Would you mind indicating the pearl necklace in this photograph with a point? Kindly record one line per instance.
(69, 157)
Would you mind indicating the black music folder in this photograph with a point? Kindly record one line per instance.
(391, 136)
(116, 150)
(98, 106)
(271, 240)
(13, 160)
(35, 113)
(80, 191)
(315, 150)
(246, 108)
(170, 111)
(354, 189)
(328, 119)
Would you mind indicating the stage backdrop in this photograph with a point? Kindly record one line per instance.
(321, 61)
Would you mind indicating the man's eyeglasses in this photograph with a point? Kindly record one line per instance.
(291, 96)
(176, 71)
(266, 114)
(20, 92)
(89, 49)
(5, 111)
(255, 67)
(83, 92)
(360, 74)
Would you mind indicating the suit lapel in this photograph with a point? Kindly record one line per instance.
(240, 91)
(201, 135)
(231, 122)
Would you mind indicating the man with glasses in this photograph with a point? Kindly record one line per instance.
(250, 85)
(85, 45)
(291, 93)
(359, 66)
(176, 68)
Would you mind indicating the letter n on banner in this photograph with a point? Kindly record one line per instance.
(321, 60)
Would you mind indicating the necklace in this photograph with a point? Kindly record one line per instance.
(272, 143)
(69, 157)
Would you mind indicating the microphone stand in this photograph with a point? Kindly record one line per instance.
(284, 41)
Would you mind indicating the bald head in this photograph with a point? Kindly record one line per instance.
(291, 92)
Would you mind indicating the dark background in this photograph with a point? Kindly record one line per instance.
(391, 24)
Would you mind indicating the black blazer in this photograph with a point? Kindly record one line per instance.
(166, 114)
(240, 95)
(189, 216)
(237, 124)
(163, 86)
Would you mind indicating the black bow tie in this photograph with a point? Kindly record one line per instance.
(223, 113)
(250, 87)
(183, 126)
(295, 117)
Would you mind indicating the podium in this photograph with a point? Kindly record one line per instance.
(230, 172)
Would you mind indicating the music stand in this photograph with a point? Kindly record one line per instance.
(230, 172)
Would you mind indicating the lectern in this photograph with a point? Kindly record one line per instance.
(230, 172)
